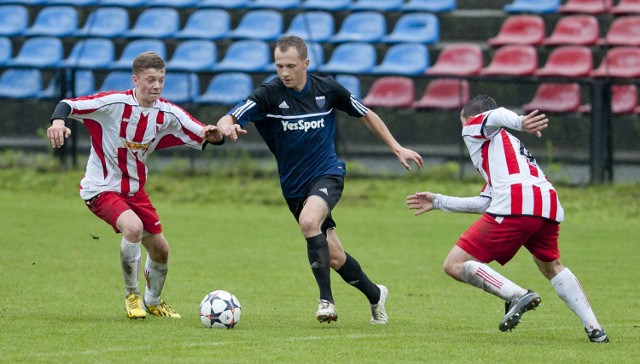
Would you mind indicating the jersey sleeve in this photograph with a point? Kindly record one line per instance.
(345, 101)
(501, 118)
(181, 129)
(86, 106)
(251, 108)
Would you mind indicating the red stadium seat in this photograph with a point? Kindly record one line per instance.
(461, 59)
(626, 7)
(624, 100)
(624, 31)
(391, 92)
(520, 29)
(621, 62)
(555, 97)
(587, 6)
(568, 61)
(575, 29)
(444, 93)
(515, 60)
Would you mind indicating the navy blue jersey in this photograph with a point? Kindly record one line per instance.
(299, 127)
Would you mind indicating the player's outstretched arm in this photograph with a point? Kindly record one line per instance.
(420, 201)
(229, 128)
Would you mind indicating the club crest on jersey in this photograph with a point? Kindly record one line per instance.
(320, 101)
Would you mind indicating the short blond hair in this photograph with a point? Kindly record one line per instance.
(146, 60)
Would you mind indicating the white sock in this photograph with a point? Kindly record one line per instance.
(569, 290)
(155, 274)
(482, 276)
(130, 261)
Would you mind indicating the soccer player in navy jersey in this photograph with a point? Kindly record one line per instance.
(295, 114)
(520, 207)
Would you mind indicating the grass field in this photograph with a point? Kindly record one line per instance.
(61, 291)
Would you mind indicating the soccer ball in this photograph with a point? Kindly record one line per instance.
(220, 309)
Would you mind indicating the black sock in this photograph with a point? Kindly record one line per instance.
(318, 254)
(352, 273)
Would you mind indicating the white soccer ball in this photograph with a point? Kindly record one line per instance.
(220, 309)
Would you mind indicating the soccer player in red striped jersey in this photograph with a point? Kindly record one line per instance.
(519, 207)
(125, 128)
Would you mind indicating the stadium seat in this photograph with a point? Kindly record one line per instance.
(575, 29)
(124, 3)
(520, 29)
(461, 59)
(135, 47)
(274, 4)
(351, 83)
(14, 20)
(444, 93)
(155, 23)
(193, 55)
(376, 5)
(404, 59)
(76, 3)
(514, 60)
(6, 50)
(431, 6)
(586, 6)
(259, 24)
(352, 57)
(313, 26)
(415, 27)
(95, 53)
(624, 100)
(622, 62)
(117, 81)
(54, 21)
(568, 61)
(212, 24)
(25, 2)
(390, 92)
(555, 98)
(181, 87)
(108, 22)
(533, 6)
(623, 31)
(249, 55)
(172, 3)
(328, 5)
(626, 7)
(84, 85)
(364, 26)
(43, 52)
(20, 83)
(315, 54)
(227, 89)
(223, 4)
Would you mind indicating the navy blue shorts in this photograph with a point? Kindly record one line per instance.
(329, 188)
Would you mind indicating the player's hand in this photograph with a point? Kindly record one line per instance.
(211, 134)
(232, 131)
(421, 201)
(534, 123)
(57, 133)
(406, 155)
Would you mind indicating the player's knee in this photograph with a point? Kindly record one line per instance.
(133, 230)
(309, 227)
(452, 269)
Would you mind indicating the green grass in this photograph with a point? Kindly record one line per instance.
(61, 291)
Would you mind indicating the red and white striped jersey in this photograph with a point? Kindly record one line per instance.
(515, 182)
(123, 134)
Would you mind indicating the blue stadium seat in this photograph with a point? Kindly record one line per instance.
(259, 24)
(212, 24)
(6, 50)
(377, 5)
(124, 3)
(249, 55)
(365, 26)
(328, 5)
(25, 2)
(351, 83)
(95, 53)
(181, 87)
(155, 23)
(135, 47)
(14, 20)
(20, 83)
(73, 2)
(275, 4)
(404, 59)
(44, 52)
(55, 21)
(224, 4)
(84, 85)
(172, 3)
(431, 6)
(533, 6)
(108, 22)
(351, 57)
(227, 89)
(415, 27)
(193, 55)
(117, 81)
(312, 26)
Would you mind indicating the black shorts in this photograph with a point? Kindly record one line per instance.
(329, 188)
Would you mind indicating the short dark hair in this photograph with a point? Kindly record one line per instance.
(146, 60)
(478, 105)
(294, 41)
